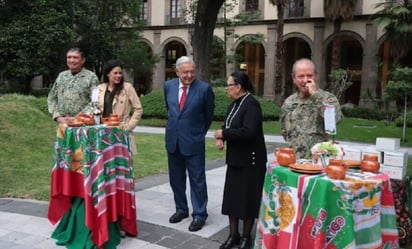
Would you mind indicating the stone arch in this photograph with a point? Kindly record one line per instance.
(172, 48)
(239, 40)
(188, 48)
(385, 61)
(351, 57)
(143, 77)
(297, 45)
(147, 42)
(301, 36)
(252, 61)
(347, 33)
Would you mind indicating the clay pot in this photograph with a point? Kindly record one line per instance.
(81, 116)
(336, 162)
(74, 122)
(89, 120)
(285, 156)
(114, 119)
(336, 169)
(337, 172)
(104, 120)
(370, 157)
(370, 163)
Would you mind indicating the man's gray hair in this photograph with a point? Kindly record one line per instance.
(182, 60)
(303, 61)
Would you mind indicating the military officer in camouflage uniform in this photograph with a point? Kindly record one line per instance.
(72, 89)
(301, 118)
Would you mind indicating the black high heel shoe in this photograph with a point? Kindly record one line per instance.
(245, 243)
(232, 240)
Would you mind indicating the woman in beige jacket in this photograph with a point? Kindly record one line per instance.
(119, 97)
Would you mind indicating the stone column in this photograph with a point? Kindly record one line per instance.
(317, 52)
(369, 77)
(159, 68)
(269, 80)
(230, 49)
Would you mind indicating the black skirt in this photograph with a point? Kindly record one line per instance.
(243, 191)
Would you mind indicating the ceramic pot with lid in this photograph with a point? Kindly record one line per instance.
(336, 162)
(336, 172)
(114, 118)
(370, 163)
(285, 156)
(336, 169)
(87, 119)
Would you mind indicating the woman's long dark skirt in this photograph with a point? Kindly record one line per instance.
(243, 191)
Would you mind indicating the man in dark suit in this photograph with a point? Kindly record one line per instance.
(190, 106)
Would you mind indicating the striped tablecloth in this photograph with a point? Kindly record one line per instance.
(313, 211)
(95, 164)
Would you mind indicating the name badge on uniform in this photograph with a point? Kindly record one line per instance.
(329, 118)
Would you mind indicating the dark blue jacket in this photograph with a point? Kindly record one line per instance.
(188, 127)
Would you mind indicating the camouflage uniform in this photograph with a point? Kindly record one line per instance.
(71, 93)
(302, 123)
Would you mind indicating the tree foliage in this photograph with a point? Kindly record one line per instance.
(32, 34)
(216, 65)
(37, 33)
(205, 22)
(339, 81)
(400, 85)
(396, 19)
(106, 28)
(399, 88)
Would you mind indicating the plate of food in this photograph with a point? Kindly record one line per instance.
(307, 168)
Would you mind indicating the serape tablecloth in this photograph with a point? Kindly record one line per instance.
(94, 163)
(313, 211)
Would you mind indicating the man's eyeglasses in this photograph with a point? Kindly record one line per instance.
(228, 85)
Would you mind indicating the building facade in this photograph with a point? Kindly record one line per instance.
(306, 34)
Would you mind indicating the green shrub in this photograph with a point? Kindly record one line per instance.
(270, 110)
(39, 103)
(399, 120)
(154, 105)
(222, 101)
(40, 92)
(219, 82)
(365, 113)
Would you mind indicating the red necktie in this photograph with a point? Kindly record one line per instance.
(183, 98)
